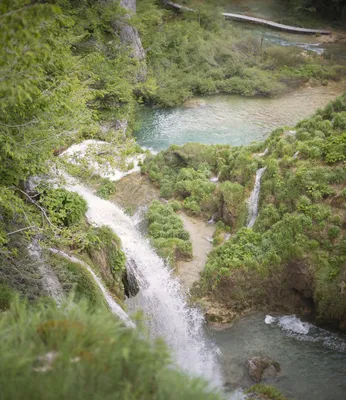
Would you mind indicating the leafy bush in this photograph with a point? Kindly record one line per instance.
(106, 189)
(6, 295)
(72, 352)
(63, 207)
(167, 232)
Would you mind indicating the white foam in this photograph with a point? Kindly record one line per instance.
(161, 297)
(293, 324)
(269, 320)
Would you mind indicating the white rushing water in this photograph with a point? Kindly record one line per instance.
(89, 150)
(112, 304)
(254, 197)
(160, 296)
(293, 327)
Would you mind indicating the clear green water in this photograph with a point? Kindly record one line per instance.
(233, 120)
(313, 365)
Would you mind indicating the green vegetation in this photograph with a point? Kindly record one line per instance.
(106, 189)
(332, 9)
(301, 215)
(65, 76)
(73, 352)
(6, 295)
(167, 233)
(184, 173)
(266, 392)
(75, 280)
(201, 53)
(109, 260)
(63, 207)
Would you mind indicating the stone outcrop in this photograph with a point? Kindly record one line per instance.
(262, 368)
(130, 37)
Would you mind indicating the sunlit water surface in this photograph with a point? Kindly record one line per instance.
(233, 120)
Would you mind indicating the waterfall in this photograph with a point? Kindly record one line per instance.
(161, 297)
(254, 197)
(112, 304)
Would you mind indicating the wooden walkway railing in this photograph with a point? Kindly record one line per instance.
(270, 24)
(275, 25)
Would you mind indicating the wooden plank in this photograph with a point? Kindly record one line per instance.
(275, 25)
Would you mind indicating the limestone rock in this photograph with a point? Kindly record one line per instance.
(262, 368)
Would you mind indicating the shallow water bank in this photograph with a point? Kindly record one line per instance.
(232, 119)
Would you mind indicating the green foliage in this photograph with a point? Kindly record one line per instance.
(300, 216)
(335, 148)
(184, 173)
(76, 280)
(266, 392)
(73, 352)
(107, 246)
(233, 196)
(201, 53)
(63, 207)
(6, 295)
(167, 233)
(42, 85)
(331, 9)
(106, 189)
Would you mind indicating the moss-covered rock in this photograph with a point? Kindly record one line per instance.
(108, 258)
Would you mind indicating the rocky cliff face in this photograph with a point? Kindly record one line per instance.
(130, 37)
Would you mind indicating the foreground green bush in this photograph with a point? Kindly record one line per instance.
(72, 353)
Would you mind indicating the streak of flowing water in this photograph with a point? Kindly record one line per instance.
(112, 304)
(253, 200)
(160, 296)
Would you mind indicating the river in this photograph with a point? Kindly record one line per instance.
(233, 120)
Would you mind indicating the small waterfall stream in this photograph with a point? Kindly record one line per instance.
(160, 297)
(112, 304)
(254, 197)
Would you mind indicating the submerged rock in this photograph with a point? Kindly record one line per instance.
(262, 368)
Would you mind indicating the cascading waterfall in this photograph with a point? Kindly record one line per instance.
(112, 304)
(253, 200)
(160, 296)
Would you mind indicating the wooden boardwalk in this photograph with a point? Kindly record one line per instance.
(259, 21)
(275, 25)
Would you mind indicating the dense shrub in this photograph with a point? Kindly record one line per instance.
(72, 352)
(167, 233)
(6, 295)
(63, 207)
(106, 189)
